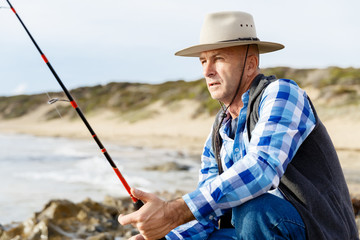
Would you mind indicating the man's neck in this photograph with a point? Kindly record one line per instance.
(236, 106)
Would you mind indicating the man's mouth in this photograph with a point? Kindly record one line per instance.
(213, 84)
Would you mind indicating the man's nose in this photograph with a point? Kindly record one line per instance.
(208, 70)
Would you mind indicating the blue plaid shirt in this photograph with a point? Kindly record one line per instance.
(250, 168)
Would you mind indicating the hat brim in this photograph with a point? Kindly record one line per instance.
(195, 51)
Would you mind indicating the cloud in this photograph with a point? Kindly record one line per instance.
(20, 89)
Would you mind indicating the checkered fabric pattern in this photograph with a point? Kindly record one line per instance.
(250, 168)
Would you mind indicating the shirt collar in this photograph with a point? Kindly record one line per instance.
(245, 100)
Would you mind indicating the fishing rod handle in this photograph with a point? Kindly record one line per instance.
(137, 205)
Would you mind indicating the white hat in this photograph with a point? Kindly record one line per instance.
(228, 29)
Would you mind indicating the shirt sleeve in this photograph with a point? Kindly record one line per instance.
(209, 169)
(285, 120)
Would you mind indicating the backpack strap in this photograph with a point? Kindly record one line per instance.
(256, 91)
(216, 140)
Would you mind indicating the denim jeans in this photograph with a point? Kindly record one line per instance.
(265, 217)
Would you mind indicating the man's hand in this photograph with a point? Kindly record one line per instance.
(157, 217)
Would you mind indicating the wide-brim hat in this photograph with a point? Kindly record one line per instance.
(228, 29)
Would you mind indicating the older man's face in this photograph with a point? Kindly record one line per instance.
(222, 71)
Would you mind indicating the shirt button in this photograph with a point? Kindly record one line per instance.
(211, 217)
(237, 149)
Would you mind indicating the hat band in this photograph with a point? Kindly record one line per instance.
(242, 39)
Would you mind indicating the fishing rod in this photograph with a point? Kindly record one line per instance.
(137, 203)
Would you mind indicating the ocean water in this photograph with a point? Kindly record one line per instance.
(34, 170)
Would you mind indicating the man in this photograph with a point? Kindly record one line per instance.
(269, 169)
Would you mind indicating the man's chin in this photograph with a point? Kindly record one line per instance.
(216, 97)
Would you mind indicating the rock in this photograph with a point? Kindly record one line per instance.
(13, 233)
(356, 205)
(121, 204)
(82, 215)
(171, 195)
(63, 219)
(101, 236)
(130, 232)
(39, 231)
(5, 237)
(168, 166)
(58, 209)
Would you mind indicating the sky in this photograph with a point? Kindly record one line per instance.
(95, 42)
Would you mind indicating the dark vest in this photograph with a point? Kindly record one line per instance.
(313, 181)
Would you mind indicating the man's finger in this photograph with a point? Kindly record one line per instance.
(127, 219)
(144, 196)
(137, 237)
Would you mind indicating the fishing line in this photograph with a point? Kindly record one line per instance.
(54, 100)
(137, 203)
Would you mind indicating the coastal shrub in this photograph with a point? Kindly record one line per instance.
(126, 97)
(341, 76)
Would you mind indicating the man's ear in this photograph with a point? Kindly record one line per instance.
(252, 66)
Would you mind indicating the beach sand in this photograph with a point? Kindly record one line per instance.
(176, 127)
